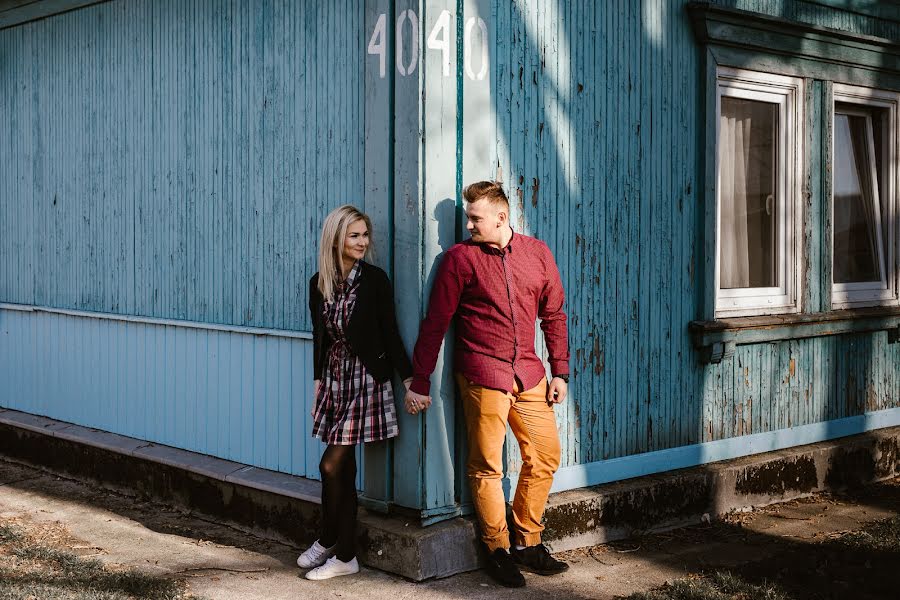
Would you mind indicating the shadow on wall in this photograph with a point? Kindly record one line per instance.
(596, 116)
(599, 117)
(438, 435)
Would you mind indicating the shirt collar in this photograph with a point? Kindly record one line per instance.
(501, 251)
(351, 277)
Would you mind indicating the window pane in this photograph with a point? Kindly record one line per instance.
(880, 125)
(856, 242)
(748, 178)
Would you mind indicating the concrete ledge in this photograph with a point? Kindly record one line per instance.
(440, 550)
(272, 504)
(277, 483)
(31, 422)
(613, 511)
(103, 440)
(201, 464)
(285, 507)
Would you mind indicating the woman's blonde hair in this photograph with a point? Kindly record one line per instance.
(331, 246)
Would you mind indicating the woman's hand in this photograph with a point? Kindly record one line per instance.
(416, 402)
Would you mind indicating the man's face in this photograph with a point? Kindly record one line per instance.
(484, 221)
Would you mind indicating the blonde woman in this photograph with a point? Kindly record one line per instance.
(357, 347)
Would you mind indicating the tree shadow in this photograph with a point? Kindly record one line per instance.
(600, 115)
(827, 564)
(171, 517)
(596, 112)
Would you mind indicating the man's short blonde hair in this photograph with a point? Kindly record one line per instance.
(491, 191)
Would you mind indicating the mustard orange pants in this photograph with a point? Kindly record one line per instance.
(531, 419)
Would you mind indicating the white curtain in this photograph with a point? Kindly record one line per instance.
(734, 163)
(858, 251)
(868, 199)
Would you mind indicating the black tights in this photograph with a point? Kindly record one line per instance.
(338, 468)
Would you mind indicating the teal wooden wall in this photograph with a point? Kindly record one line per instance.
(595, 128)
(868, 17)
(175, 159)
(589, 115)
(595, 137)
(243, 397)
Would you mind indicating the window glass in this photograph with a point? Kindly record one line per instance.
(748, 178)
(858, 237)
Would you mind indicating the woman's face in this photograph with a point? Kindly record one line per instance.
(356, 242)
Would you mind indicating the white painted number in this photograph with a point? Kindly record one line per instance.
(376, 43)
(414, 36)
(438, 39)
(443, 44)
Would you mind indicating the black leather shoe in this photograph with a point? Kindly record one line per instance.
(503, 570)
(537, 559)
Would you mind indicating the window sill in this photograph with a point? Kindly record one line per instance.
(717, 340)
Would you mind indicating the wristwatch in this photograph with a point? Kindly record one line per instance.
(564, 377)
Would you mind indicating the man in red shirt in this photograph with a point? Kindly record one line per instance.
(497, 284)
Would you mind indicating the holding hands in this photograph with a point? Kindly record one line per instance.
(415, 402)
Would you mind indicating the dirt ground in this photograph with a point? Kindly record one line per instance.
(827, 546)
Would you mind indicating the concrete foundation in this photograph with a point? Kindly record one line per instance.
(287, 508)
(677, 498)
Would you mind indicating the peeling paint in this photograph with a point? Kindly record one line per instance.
(598, 356)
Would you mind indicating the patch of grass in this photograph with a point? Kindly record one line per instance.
(720, 585)
(883, 536)
(31, 570)
(856, 564)
(9, 534)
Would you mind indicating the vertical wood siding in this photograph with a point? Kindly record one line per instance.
(237, 396)
(867, 17)
(175, 159)
(596, 128)
(598, 113)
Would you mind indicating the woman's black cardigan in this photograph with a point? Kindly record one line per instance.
(372, 331)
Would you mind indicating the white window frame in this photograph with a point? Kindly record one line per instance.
(787, 93)
(884, 292)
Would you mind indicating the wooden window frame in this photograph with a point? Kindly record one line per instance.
(787, 93)
(884, 292)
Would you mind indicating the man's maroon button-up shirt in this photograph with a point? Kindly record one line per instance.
(497, 295)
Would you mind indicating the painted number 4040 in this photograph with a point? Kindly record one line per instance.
(438, 39)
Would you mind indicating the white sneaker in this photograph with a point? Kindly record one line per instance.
(315, 556)
(334, 567)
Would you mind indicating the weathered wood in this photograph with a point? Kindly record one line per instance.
(716, 339)
(18, 12)
(409, 238)
(176, 159)
(217, 391)
(378, 196)
(847, 315)
(752, 40)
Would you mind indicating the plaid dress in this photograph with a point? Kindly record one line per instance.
(351, 407)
